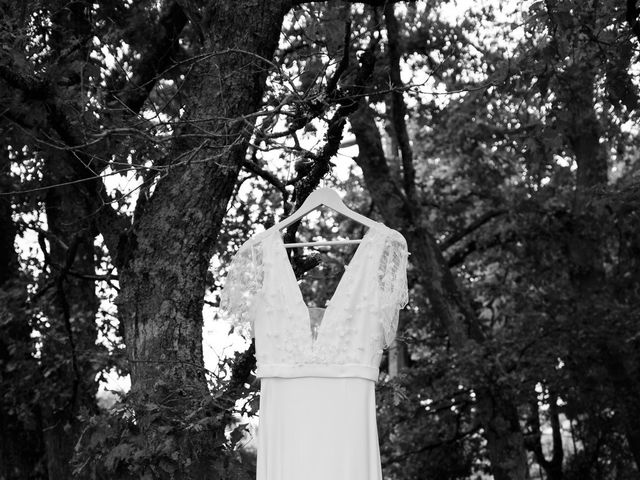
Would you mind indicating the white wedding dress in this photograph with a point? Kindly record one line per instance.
(317, 397)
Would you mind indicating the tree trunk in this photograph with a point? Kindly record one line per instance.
(583, 131)
(162, 274)
(552, 467)
(398, 353)
(69, 347)
(496, 409)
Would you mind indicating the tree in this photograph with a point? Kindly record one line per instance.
(185, 96)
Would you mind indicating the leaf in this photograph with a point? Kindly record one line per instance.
(97, 437)
(238, 433)
(117, 454)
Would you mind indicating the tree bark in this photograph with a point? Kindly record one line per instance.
(163, 271)
(497, 411)
(163, 257)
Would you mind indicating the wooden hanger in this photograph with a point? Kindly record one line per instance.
(331, 199)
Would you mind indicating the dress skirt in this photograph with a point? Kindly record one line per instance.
(317, 428)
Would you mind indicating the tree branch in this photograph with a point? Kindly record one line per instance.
(472, 227)
(399, 108)
(110, 223)
(558, 450)
(459, 435)
(321, 160)
(31, 85)
(253, 167)
(459, 256)
(158, 58)
(344, 62)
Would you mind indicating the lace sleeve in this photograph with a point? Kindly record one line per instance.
(392, 281)
(244, 280)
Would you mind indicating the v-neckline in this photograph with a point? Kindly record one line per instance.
(365, 240)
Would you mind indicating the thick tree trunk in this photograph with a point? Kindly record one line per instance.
(496, 409)
(162, 275)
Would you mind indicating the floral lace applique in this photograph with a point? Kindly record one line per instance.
(244, 281)
(392, 282)
(345, 338)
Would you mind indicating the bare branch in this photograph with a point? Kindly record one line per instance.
(253, 167)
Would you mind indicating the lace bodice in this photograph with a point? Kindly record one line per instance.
(262, 298)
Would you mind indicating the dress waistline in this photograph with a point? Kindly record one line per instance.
(317, 370)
